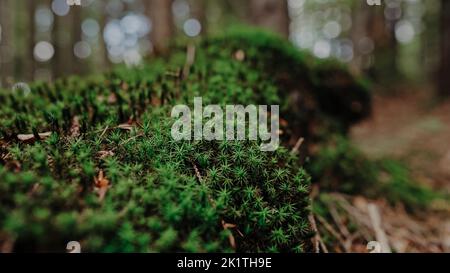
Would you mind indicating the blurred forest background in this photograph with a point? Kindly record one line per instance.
(401, 40)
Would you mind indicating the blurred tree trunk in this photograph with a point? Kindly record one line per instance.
(57, 61)
(238, 8)
(31, 40)
(6, 38)
(77, 65)
(103, 22)
(361, 14)
(61, 36)
(198, 12)
(444, 88)
(271, 14)
(19, 13)
(160, 13)
(382, 33)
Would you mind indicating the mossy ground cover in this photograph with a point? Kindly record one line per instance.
(108, 173)
(338, 166)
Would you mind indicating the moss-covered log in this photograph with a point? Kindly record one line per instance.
(109, 175)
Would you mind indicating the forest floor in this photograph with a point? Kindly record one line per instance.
(413, 128)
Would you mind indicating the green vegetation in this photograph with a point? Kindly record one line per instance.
(341, 167)
(109, 175)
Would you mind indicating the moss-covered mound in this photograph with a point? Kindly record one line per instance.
(316, 91)
(93, 161)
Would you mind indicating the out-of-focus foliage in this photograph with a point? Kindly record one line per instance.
(339, 166)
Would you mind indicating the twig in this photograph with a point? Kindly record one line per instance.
(316, 240)
(380, 235)
(338, 220)
(190, 58)
(104, 131)
(131, 138)
(297, 145)
(333, 232)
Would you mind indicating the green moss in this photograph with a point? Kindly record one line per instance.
(339, 166)
(398, 185)
(165, 195)
(156, 201)
(326, 86)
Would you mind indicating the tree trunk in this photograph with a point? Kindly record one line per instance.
(6, 38)
(103, 22)
(160, 13)
(77, 65)
(31, 40)
(271, 14)
(444, 88)
(62, 43)
(382, 33)
(198, 12)
(361, 16)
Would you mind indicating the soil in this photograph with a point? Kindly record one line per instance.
(414, 127)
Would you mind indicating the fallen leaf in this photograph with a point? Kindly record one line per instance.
(103, 154)
(239, 55)
(112, 98)
(125, 126)
(75, 127)
(101, 184)
(14, 166)
(30, 137)
(231, 238)
(124, 86)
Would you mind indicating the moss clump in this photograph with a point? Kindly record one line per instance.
(110, 176)
(156, 202)
(316, 91)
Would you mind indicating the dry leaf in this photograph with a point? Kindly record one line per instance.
(101, 184)
(104, 154)
(112, 98)
(231, 238)
(125, 126)
(75, 128)
(239, 55)
(30, 137)
(155, 101)
(124, 86)
(14, 166)
(284, 122)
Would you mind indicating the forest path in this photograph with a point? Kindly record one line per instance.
(410, 127)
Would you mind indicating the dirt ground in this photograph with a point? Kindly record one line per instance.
(412, 127)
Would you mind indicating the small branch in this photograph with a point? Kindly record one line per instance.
(333, 232)
(297, 145)
(316, 240)
(131, 138)
(380, 235)
(104, 131)
(190, 58)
